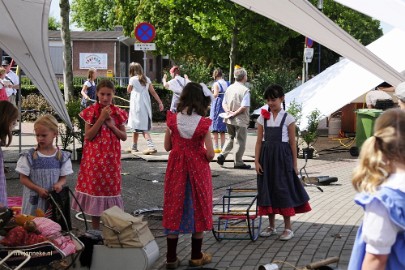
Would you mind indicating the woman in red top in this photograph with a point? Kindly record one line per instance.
(99, 182)
(188, 182)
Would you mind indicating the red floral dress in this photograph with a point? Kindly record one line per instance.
(188, 164)
(99, 181)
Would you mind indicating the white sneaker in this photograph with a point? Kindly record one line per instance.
(268, 232)
(287, 235)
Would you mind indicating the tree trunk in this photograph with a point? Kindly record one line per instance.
(233, 52)
(67, 49)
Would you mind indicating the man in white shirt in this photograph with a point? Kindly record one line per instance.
(379, 93)
(11, 89)
(176, 85)
(236, 104)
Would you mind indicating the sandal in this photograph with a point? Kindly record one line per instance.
(268, 232)
(205, 259)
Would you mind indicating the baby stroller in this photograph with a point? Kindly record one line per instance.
(50, 253)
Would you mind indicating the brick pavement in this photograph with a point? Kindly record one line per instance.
(328, 230)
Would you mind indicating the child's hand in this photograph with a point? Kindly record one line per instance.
(43, 193)
(58, 187)
(105, 113)
(259, 169)
(110, 122)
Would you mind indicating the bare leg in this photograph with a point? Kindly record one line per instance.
(272, 219)
(146, 135)
(222, 139)
(287, 222)
(135, 136)
(95, 222)
(215, 135)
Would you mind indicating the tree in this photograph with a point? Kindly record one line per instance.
(217, 32)
(67, 49)
(53, 24)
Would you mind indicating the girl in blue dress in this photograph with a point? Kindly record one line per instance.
(380, 180)
(218, 127)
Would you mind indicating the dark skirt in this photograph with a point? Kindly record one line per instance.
(280, 191)
(218, 124)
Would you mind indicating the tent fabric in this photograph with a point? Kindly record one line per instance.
(24, 36)
(345, 81)
(388, 11)
(303, 17)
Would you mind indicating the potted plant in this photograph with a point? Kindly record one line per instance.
(295, 109)
(310, 134)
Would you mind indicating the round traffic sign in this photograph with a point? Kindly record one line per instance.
(309, 42)
(145, 32)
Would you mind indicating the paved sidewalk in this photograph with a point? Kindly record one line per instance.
(328, 230)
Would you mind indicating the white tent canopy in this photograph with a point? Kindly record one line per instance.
(345, 81)
(303, 17)
(388, 11)
(24, 36)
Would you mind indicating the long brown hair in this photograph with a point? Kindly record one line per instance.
(8, 114)
(136, 69)
(192, 98)
(380, 151)
(90, 73)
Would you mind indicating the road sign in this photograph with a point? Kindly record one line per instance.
(145, 32)
(145, 46)
(308, 53)
(309, 42)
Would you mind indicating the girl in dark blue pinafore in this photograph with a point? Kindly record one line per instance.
(218, 127)
(89, 89)
(279, 189)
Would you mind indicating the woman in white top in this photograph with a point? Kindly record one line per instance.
(89, 88)
(140, 110)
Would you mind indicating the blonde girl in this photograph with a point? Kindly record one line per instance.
(380, 180)
(140, 112)
(89, 88)
(44, 168)
(8, 119)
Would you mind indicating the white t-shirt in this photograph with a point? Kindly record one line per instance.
(374, 95)
(13, 78)
(176, 85)
(276, 123)
(24, 167)
(379, 232)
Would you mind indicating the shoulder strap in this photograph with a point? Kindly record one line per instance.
(8, 78)
(220, 86)
(181, 85)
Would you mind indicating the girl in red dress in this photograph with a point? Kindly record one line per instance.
(188, 182)
(99, 181)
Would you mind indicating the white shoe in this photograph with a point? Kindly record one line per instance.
(268, 232)
(287, 235)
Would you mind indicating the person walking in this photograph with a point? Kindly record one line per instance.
(236, 104)
(89, 89)
(140, 111)
(176, 85)
(99, 181)
(218, 127)
(380, 180)
(8, 119)
(43, 168)
(279, 189)
(188, 175)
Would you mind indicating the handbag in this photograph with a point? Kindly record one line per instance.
(121, 229)
(59, 208)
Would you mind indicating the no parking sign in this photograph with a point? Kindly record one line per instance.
(145, 32)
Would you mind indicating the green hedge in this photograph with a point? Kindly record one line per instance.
(33, 104)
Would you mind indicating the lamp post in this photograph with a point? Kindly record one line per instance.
(320, 8)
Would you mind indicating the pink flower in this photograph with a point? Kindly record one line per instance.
(265, 113)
